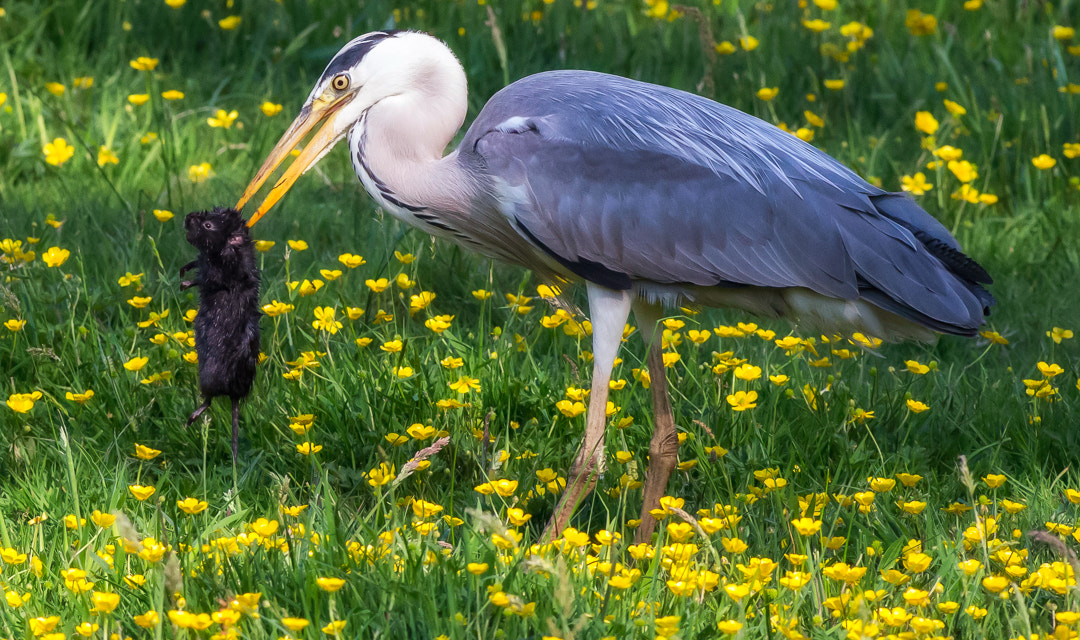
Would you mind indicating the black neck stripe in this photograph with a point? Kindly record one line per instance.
(352, 55)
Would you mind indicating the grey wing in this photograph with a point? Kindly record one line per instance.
(622, 181)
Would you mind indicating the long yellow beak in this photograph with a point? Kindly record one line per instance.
(309, 117)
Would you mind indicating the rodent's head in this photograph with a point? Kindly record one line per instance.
(212, 232)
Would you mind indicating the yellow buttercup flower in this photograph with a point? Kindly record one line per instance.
(142, 63)
(955, 108)
(103, 520)
(58, 152)
(136, 363)
(351, 261)
(276, 308)
(1043, 162)
(1057, 334)
(569, 408)
(270, 109)
(80, 398)
(1062, 33)
(139, 99)
(23, 402)
(916, 406)
(806, 526)
(767, 93)
(725, 48)
(729, 627)
(229, 23)
(141, 492)
(920, 24)
(330, 584)
(963, 170)
(743, 400)
(172, 94)
(223, 119)
(145, 453)
(40, 626)
(192, 506)
(325, 321)
(200, 172)
(926, 122)
(465, 384)
(916, 185)
(477, 568)
(87, 629)
(334, 627)
(103, 602)
(106, 156)
(295, 624)
(55, 256)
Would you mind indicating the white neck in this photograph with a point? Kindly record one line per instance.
(405, 133)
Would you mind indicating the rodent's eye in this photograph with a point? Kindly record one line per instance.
(208, 225)
(340, 82)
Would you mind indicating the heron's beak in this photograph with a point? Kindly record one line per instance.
(310, 116)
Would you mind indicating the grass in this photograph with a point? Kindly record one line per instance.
(426, 554)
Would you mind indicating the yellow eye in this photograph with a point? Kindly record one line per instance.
(340, 82)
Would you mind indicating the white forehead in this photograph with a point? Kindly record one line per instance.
(379, 49)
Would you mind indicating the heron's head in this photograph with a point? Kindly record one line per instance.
(398, 70)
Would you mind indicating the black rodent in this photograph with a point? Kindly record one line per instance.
(227, 324)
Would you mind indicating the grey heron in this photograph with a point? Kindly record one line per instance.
(651, 195)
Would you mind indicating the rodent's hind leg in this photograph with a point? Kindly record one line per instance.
(189, 266)
(187, 284)
(198, 412)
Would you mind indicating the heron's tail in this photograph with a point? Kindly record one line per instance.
(922, 274)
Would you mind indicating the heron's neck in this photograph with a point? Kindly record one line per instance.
(402, 143)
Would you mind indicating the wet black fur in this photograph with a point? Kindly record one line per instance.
(227, 325)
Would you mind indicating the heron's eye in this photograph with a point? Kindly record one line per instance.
(340, 82)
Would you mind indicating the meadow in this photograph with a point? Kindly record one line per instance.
(418, 407)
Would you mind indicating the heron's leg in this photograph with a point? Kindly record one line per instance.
(664, 447)
(609, 310)
(235, 428)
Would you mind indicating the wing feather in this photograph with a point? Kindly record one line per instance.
(647, 183)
